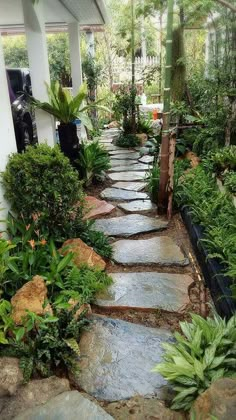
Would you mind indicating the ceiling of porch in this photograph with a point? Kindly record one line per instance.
(86, 12)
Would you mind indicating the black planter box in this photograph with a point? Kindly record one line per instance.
(218, 284)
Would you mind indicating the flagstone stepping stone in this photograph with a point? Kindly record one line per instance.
(129, 225)
(125, 156)
(106, 140)
(146, 291)
(116, 194)
(137, 206)
(130, 186)
(160, 250)
(127, 168)
(123, 151)
(96, 208)
(127, 176)
(146, 159)
(116, 162)
(111, 147)
(69, 405)
(117, 359)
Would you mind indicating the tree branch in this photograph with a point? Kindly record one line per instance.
(227, 4)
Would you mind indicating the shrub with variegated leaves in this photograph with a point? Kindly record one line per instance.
(204, 353)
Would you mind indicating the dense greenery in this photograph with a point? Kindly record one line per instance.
(203, 353)
(92, 162)
(128, 140)
(215, 212)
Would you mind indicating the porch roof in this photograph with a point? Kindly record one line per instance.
(85, 12)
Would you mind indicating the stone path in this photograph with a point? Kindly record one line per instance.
(117, 357)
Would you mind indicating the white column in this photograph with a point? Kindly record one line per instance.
(7, 134)
(39, 67)
(90, 43)
(75, 56)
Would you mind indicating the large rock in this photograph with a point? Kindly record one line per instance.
(160, 250)
(147, 291)
(31, 297)
(67, 406)
(129, 225)
(96, 208)
(146, 159)
(10, 376)
(34, 393)
(117, 359)
(218, 402)
(83, 254)
(124, 195)
(139, 408)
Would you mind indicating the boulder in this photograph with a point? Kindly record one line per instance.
(140, 408)
(67, 406)
(30, 297)
(113, 124)
(218, 402)
(11, 376)
(31, 395)
(83, 254)
(95, 208)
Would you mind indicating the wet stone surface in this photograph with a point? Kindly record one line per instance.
(117, 194)
(117, 358)
(127, 176)
(131, 167)
(116, 162)
(129, 225)
(125, 156)
(146, 159)
(130, 186)
(147, 291)
(122, 151)
(137, 206)
(160, 250)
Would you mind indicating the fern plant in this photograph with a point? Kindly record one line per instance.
(204, 353)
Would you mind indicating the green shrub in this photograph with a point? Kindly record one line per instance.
(145, 126)
(153, 179)
(98, 241)
(93, 160)
(223, 159)
(230, 182)
(45, 343)
(128, 140)
(41, 184)
(204, 353)
(215, 212)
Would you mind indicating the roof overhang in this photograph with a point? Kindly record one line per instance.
(58, 13)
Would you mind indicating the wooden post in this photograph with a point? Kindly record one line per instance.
(171, 174)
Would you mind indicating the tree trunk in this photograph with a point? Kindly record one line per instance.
(164, 156)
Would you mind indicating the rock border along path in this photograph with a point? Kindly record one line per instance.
(117, 356)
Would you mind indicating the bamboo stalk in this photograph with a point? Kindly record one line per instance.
(171, 174)
(164, 156)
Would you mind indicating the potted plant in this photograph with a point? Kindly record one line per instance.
(66, 109)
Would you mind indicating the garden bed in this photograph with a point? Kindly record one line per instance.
(218, 284)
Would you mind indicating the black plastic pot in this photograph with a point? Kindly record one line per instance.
(69, 141)
(218, 284)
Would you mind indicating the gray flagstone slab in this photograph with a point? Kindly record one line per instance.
(124, 156)
(146, 290)
(133, 167)
(130, 186)
(116, 162)
(129, 225)
(146, 159)
(137, 206)
(127, 176)
(159, 250)
(117, 359)
(116, 194)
